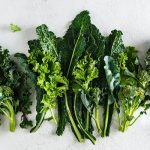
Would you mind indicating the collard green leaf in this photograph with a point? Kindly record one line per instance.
(112, 73)
(86, 102)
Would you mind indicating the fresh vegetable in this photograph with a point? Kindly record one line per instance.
(75, 77)
(14, 90)
(6, 106)
(83, 73)
(133, 89)
(49, 78)
(15, 28)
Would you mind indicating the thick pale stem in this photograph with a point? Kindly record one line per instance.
(34, 129)
(52, 113)
(79, 137)
(12, 123)
(97, 119)
(10, 116)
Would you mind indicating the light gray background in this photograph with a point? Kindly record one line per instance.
(130, 16)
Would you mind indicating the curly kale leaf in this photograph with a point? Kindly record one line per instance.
(7, 67)
(26, 78)
(84, 72)
(49, 79)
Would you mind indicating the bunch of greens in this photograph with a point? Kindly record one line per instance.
(48, 79)
(133, 92)
(14, 90)
(78, 75)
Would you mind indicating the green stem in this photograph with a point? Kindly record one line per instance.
(39, 122)
(125, 124)
(92, 138)
(135, 120)
(11, 115)
(119, 121)
(54, 118)
(106, 120)
(79, 137)
(12, 124)
(119, 117)
(80, 34)
(87, 120)
(97, 119)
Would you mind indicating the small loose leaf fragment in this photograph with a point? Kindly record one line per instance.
(15, 28)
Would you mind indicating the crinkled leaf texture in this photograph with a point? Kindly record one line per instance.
(73, 44)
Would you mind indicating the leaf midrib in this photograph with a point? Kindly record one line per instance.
(80, 33)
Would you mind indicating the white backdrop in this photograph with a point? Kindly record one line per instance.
(130, 16)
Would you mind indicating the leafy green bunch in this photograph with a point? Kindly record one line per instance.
(78, 75)
(44, 70)
(15, 91)
(84, 73)
(133, 89)
(49, 79)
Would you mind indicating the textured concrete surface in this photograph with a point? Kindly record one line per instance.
(132, 17)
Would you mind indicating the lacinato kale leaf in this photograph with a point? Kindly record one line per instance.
(14, 28)
(114, 44)
(73, 43)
